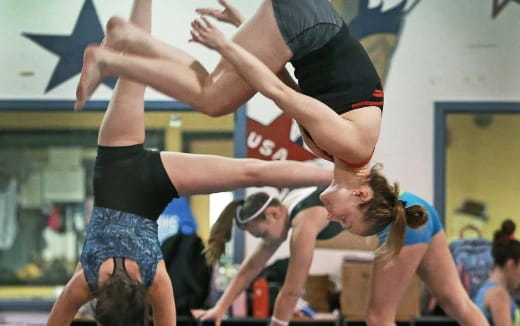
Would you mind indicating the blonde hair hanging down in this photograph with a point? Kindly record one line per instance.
(221, 233)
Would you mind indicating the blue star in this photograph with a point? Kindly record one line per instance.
(70, 48)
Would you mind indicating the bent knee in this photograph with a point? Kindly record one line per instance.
(215, 107)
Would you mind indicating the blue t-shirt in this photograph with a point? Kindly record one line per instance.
(423, 234)
(479, 301)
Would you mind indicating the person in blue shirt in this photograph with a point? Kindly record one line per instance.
(493, 298)
(425, 253)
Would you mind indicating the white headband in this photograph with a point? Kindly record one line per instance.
(255, 215)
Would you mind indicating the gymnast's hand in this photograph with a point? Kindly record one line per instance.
(212, 313)
(229, 14)
(205, 33)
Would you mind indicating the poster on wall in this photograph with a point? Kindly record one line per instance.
(272, 135)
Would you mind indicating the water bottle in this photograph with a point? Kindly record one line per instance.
(260, 298)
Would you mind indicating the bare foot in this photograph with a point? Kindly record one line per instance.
(91, 76)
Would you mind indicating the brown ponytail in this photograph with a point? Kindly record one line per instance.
(221, 233)
(385, 209)
(395, 239)
(416, 216)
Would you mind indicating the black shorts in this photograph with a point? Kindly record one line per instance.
(132, 179)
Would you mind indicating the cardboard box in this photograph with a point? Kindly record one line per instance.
(355, 290)
(317, 292)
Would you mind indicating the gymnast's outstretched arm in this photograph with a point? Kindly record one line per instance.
(248, 270)
(74, 295)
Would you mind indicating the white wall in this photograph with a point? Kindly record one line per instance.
(448, 51)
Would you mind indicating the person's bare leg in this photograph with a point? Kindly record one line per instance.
(194, 174)
(123, 122)
(389, 284)
(219, 93)
(99, 63)
(126, 37)
(439, 273)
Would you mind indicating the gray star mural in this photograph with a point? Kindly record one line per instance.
(69, 48)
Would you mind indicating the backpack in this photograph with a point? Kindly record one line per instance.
(474, 262)
(188, 270)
